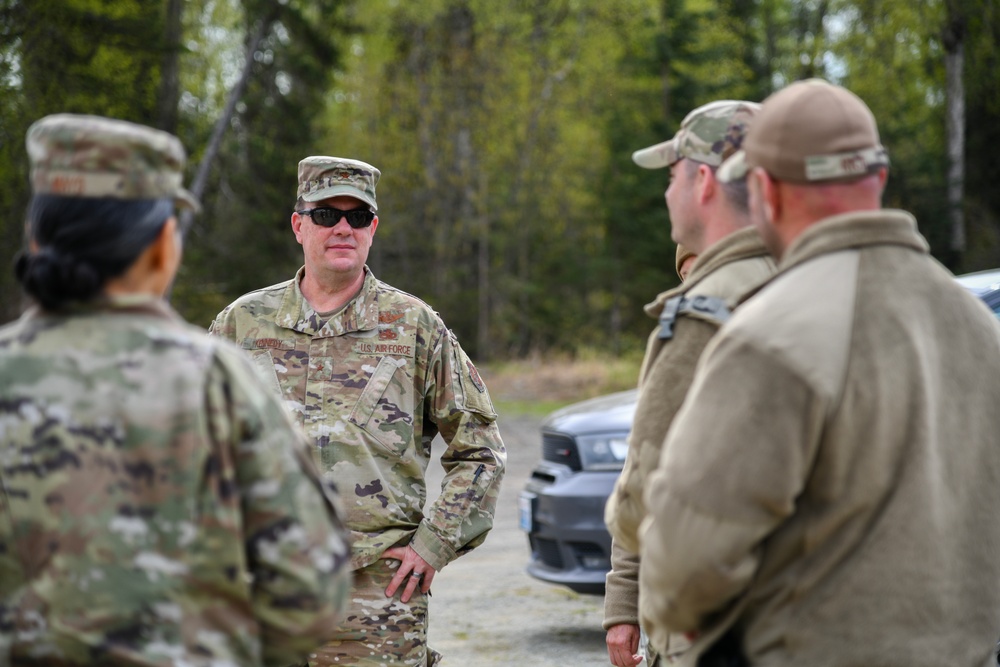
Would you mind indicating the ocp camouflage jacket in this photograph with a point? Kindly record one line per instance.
(373, 384)
(158, 506)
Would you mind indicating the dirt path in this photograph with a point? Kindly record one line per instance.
(487, 611)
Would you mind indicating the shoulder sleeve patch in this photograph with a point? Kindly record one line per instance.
(473, 395)
(474, 375)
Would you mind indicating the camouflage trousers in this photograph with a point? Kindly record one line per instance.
(378, 631)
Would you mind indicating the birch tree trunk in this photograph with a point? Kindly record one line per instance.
(954, 60)
(170, 79)
(215, 142)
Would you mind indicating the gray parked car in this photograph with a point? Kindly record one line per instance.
(583, 452)
(562, 505)
(985, 285)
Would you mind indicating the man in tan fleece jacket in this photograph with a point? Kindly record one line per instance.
(711, 221)
(827, 494)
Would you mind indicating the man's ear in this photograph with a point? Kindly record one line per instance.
(163, 257)
(297, 226)
(705, 183)
(770, 196)
(165, 248)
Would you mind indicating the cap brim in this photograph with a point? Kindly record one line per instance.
(185, 199)
(340, 191)
(735, 168)
(658, 156)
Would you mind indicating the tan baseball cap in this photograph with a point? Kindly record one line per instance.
(95, 157)
(322, 177)
(808, 132)
(709, 134)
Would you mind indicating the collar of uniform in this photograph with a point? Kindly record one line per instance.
(743, 244)
(360, 313)
(854, 230)
(145, 304)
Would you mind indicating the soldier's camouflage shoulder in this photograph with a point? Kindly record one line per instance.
(159, 505)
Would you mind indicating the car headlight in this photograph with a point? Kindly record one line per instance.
(603, 452)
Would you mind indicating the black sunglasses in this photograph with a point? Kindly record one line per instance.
(358, 218)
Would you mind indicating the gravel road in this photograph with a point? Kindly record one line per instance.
(485, 610)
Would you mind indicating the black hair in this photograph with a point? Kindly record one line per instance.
(83, 242)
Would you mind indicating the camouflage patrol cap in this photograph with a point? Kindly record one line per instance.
(709, 134)
(322, 177)
(811, 131)
(91, 156)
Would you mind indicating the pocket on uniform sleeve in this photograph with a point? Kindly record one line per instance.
(380, 410)
(475, 397)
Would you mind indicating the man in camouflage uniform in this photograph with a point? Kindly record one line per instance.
(373, 374)
(158, 506)
(708, 220)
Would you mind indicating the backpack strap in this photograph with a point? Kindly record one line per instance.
(709, 308)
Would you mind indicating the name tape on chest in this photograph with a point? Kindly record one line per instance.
(401, 349)
(710, 308)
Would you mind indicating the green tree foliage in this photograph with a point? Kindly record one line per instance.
(893, 60)
(504, 133)
(13, 162)
(243, 239)
(489, 123)
(503, 130)
(982, 197)
(79, 56)
(892, 54)
(681, 55)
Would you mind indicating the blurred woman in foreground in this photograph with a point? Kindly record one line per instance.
(157, 506)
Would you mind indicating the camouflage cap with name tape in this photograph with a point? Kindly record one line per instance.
(322, 177)
(810, 131)
(95, 157)
(709, 134)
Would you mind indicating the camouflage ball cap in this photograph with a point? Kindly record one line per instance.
(709, 134)
(322, 177)
(91, 156)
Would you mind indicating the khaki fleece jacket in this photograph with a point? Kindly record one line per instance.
(829, 489)
(726, 270)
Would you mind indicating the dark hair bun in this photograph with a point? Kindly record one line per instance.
(56, 279)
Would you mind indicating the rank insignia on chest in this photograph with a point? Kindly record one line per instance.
(389, 318)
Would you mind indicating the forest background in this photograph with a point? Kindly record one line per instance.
(503, 131)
